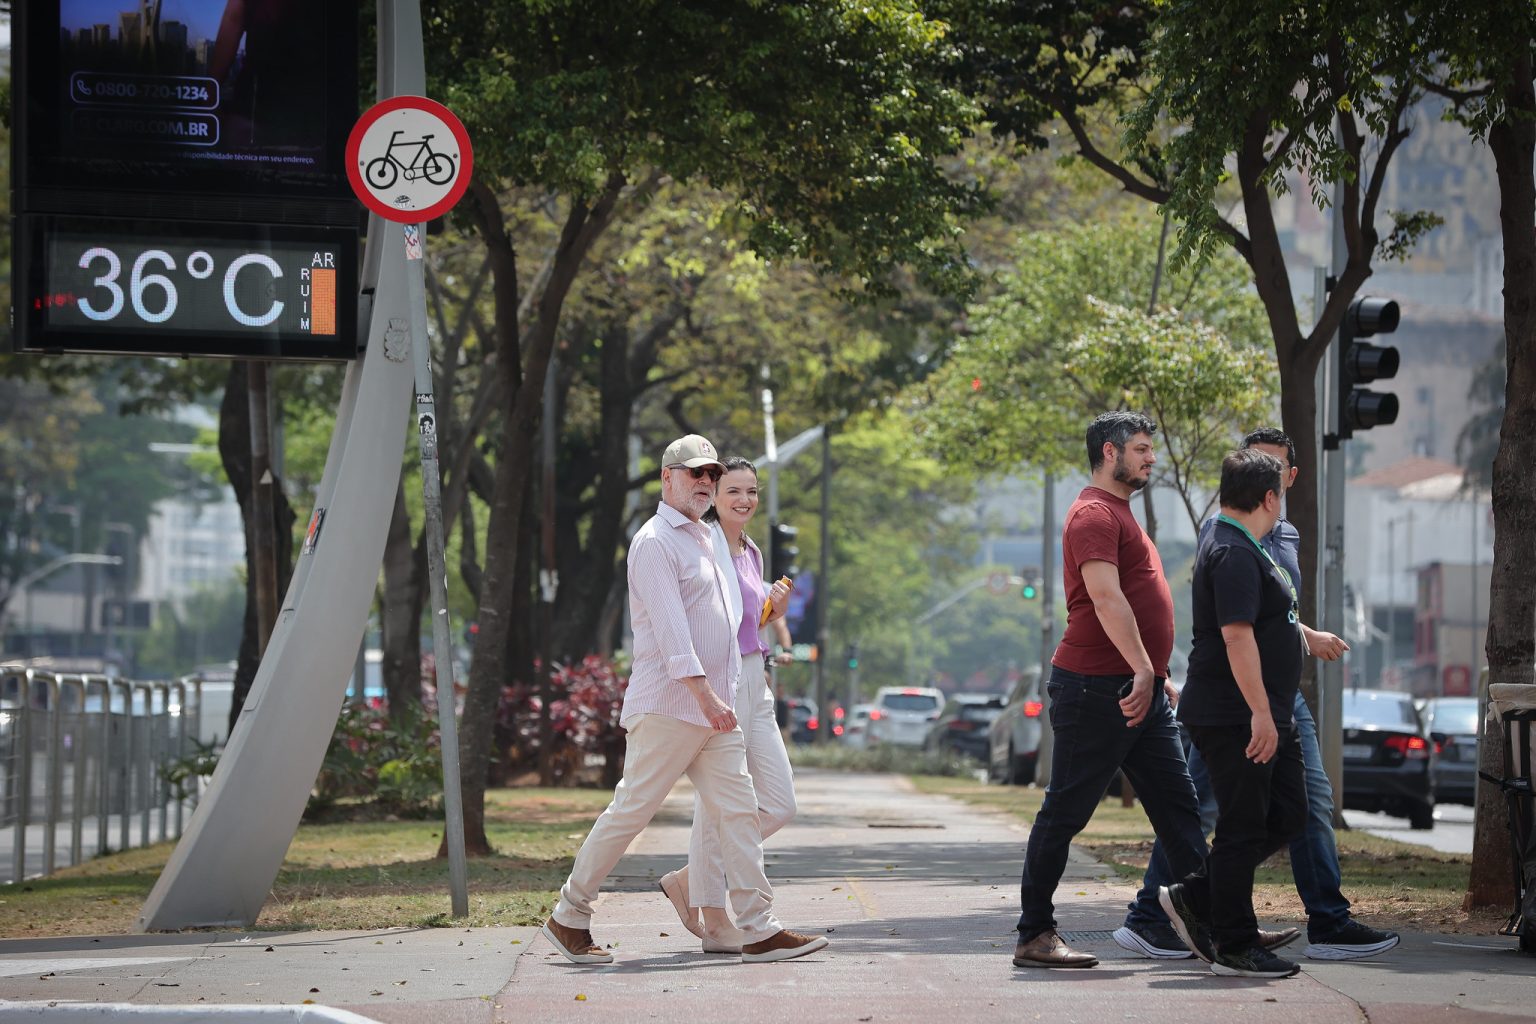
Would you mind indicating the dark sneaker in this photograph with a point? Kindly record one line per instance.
(575, 944)
(1192, 928)
(781, 945)
(1274, 940)
(1153, 940)
(1254, 962)
(1351, 942)
(1048, 950)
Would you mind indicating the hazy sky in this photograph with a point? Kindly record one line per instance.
(200, 16)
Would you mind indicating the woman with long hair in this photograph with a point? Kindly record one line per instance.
(698, 891)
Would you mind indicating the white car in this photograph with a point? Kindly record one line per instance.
(856, 727)
(902, 714)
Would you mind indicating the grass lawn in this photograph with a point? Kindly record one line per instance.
(1390, 883)
(353, 875)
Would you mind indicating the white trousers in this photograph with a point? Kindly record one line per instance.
(772, 781)
(659, 751)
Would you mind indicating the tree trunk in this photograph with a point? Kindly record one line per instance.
(400, 613)
(522, 362)
(235, 455)
(1298, 418)
(1511, 646)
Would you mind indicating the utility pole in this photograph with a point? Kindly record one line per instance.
(1330, 693)
(549, 583)
(823, 591)
(1047, 621)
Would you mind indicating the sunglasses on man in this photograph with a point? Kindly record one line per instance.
(699, 472)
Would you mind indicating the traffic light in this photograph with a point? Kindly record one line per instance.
(1360, 363)
(782, 552)
(853, 656)
(1032, 581)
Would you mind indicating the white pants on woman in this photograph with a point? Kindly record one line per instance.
(772, 781)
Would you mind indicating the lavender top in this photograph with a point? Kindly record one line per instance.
(754, 591)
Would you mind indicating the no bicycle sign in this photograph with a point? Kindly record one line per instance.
(409, 159)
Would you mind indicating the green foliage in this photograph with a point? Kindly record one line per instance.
(184, 773)
(1407, 229)
(1196, 384)
(391, 765)
(823, 121)
(1059, 343)
(881, 758)
(1229, 73)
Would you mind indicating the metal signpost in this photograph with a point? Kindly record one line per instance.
(400, 174)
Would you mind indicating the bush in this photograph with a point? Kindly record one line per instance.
(584, 722)
(394, 765)
(882, 758)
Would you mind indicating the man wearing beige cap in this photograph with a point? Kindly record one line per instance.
(677, 712)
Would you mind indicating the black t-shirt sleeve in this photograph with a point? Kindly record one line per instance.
(1237, 584)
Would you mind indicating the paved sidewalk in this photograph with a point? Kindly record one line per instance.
(918, 894)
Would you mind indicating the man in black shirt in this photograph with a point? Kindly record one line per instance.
(1244, 670)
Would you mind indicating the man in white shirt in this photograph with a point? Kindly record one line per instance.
(678, 715)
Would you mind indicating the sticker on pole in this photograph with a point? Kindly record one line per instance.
(409, 159)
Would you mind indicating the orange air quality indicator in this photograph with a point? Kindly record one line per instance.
(322, 301)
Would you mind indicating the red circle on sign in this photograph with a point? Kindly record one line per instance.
(394, 213)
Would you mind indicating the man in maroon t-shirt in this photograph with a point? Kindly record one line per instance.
(1110, 706)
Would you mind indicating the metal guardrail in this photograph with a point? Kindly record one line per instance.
(83, 758)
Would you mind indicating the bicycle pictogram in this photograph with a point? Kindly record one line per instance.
(383, 171)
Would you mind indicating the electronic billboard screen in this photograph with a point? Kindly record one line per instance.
(137, 287)
(249, 98)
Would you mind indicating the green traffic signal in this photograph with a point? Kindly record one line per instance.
(1030, 592)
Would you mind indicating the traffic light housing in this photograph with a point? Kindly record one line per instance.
(1030, 588)
(782, 552)
(1360, 363)
(853, 656)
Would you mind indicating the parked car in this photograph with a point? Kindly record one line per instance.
(803, 722)
(1453, 726)
(1014, 735)
(1388, 757)
(902, 714)
(856, 726)
(962, 725)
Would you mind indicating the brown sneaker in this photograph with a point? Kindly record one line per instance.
(1274, 940)
(782, 945)
(1047, 950)
(575, 944)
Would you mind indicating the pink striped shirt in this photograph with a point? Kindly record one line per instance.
(681, 618)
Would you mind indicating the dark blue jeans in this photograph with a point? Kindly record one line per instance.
(1092, 742)
(1314, 856)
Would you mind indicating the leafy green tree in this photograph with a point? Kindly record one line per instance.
(1486, 63)
(1223, 101)
(823, 122)
(1057, 344)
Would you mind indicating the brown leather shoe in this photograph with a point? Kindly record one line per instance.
(1274, 940)
(782, 945)
(1047, 950)
(575, 944)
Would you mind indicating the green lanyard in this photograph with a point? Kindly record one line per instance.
(1284, 576)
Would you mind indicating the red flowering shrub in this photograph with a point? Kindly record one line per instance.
(584, 720)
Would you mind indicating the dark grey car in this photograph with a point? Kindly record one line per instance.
(1453, 725)
(1387, 757)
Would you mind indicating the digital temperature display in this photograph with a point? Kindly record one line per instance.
(234, 290)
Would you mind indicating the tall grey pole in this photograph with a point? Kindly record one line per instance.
(549, 582)
(437, 573)
(1330, 710)
(1048, 620)
(771, 447)
(824, 592)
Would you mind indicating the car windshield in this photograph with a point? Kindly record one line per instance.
(909, 701)
(1379, 708)
(1455, 716)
